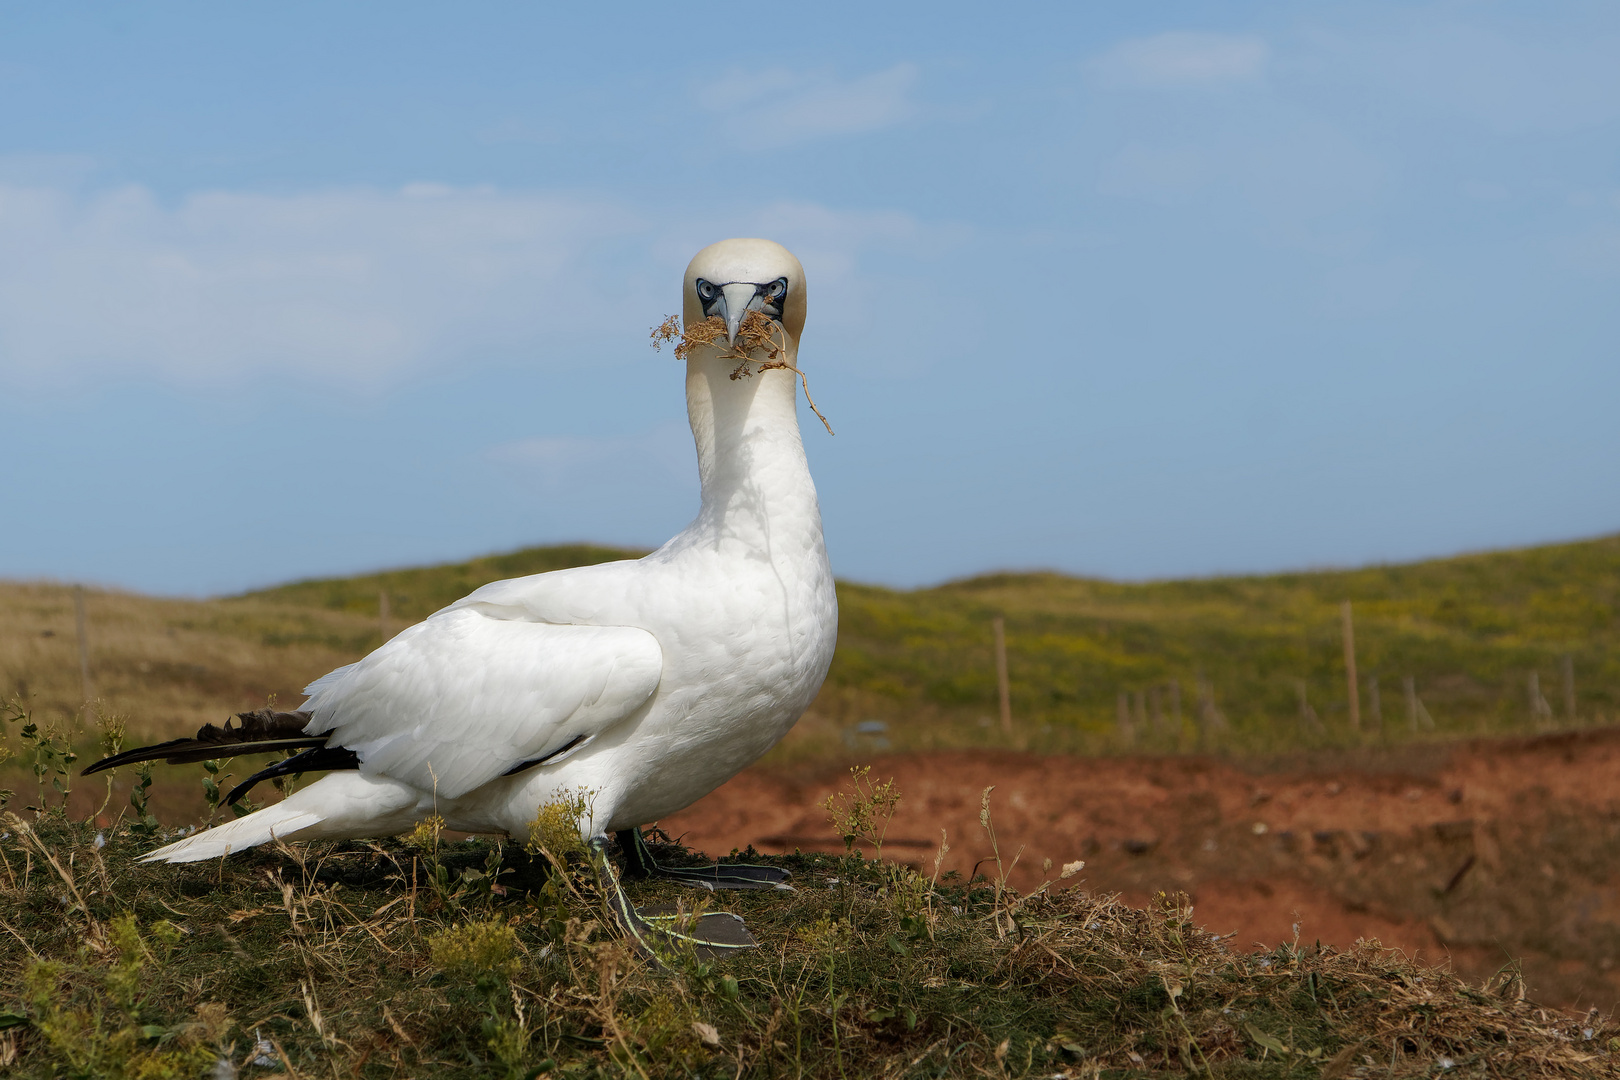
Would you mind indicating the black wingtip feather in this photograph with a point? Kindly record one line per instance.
(319, 759)
(261, 731)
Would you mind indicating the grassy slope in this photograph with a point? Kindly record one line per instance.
(416, 592)
(1468, 630)
(347, 959)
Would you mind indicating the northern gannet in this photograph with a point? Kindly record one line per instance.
(643, 684)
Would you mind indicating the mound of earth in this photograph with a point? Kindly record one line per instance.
(1487, 853)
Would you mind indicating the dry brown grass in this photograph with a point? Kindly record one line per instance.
(168, 666)
(760, 345)
(161, 667)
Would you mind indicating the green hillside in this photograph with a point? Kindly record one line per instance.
(1231, 657)
(416, 592)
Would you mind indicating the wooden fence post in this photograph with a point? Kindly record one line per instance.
(1568, 665)
(1003, 688)
(84, 645)
(1308, 720)
(384, 613)
(1350, 665)
(1210, 720)
(1540, 712)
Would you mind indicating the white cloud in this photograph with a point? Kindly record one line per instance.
(353, 284)
(362, 286)
(1183, 59)
(777, 106)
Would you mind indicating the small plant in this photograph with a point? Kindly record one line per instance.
(425, 837)
(145, 826)
(482, 884)
(555, 831)
(863, 815)
(485, 953)
(111, 728)
(211, 785)
(548, 907)
(476, 950)
(50, 749)
(1005, 900)
(826, 936)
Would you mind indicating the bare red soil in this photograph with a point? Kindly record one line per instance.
(1479, 853)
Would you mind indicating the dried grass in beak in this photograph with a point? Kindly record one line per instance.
(757, 334)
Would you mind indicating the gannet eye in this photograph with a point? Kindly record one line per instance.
(705, 291)
(778, 289)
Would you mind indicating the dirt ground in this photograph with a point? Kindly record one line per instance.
(1475, 853)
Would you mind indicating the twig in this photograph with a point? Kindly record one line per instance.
(807, 397)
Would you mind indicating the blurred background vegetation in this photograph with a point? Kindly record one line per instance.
(1508, 641)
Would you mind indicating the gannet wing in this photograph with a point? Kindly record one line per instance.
(456, 701)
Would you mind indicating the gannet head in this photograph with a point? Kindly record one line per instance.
(734, 277)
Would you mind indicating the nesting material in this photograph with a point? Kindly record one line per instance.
(760, 345)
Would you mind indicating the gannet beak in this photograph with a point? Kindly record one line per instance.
(739, 297)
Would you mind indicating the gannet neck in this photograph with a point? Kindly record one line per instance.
(751, 461)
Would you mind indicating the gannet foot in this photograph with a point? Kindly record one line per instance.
(639, 863)
(660, 932)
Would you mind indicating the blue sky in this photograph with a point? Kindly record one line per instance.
(1130, 290)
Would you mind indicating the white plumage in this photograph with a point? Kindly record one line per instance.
(651, 681)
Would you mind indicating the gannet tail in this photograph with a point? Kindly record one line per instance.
(344, 805)
(259, 827)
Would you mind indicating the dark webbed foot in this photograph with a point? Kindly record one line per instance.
(639, 863)
(659, 932)
(712, 933)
